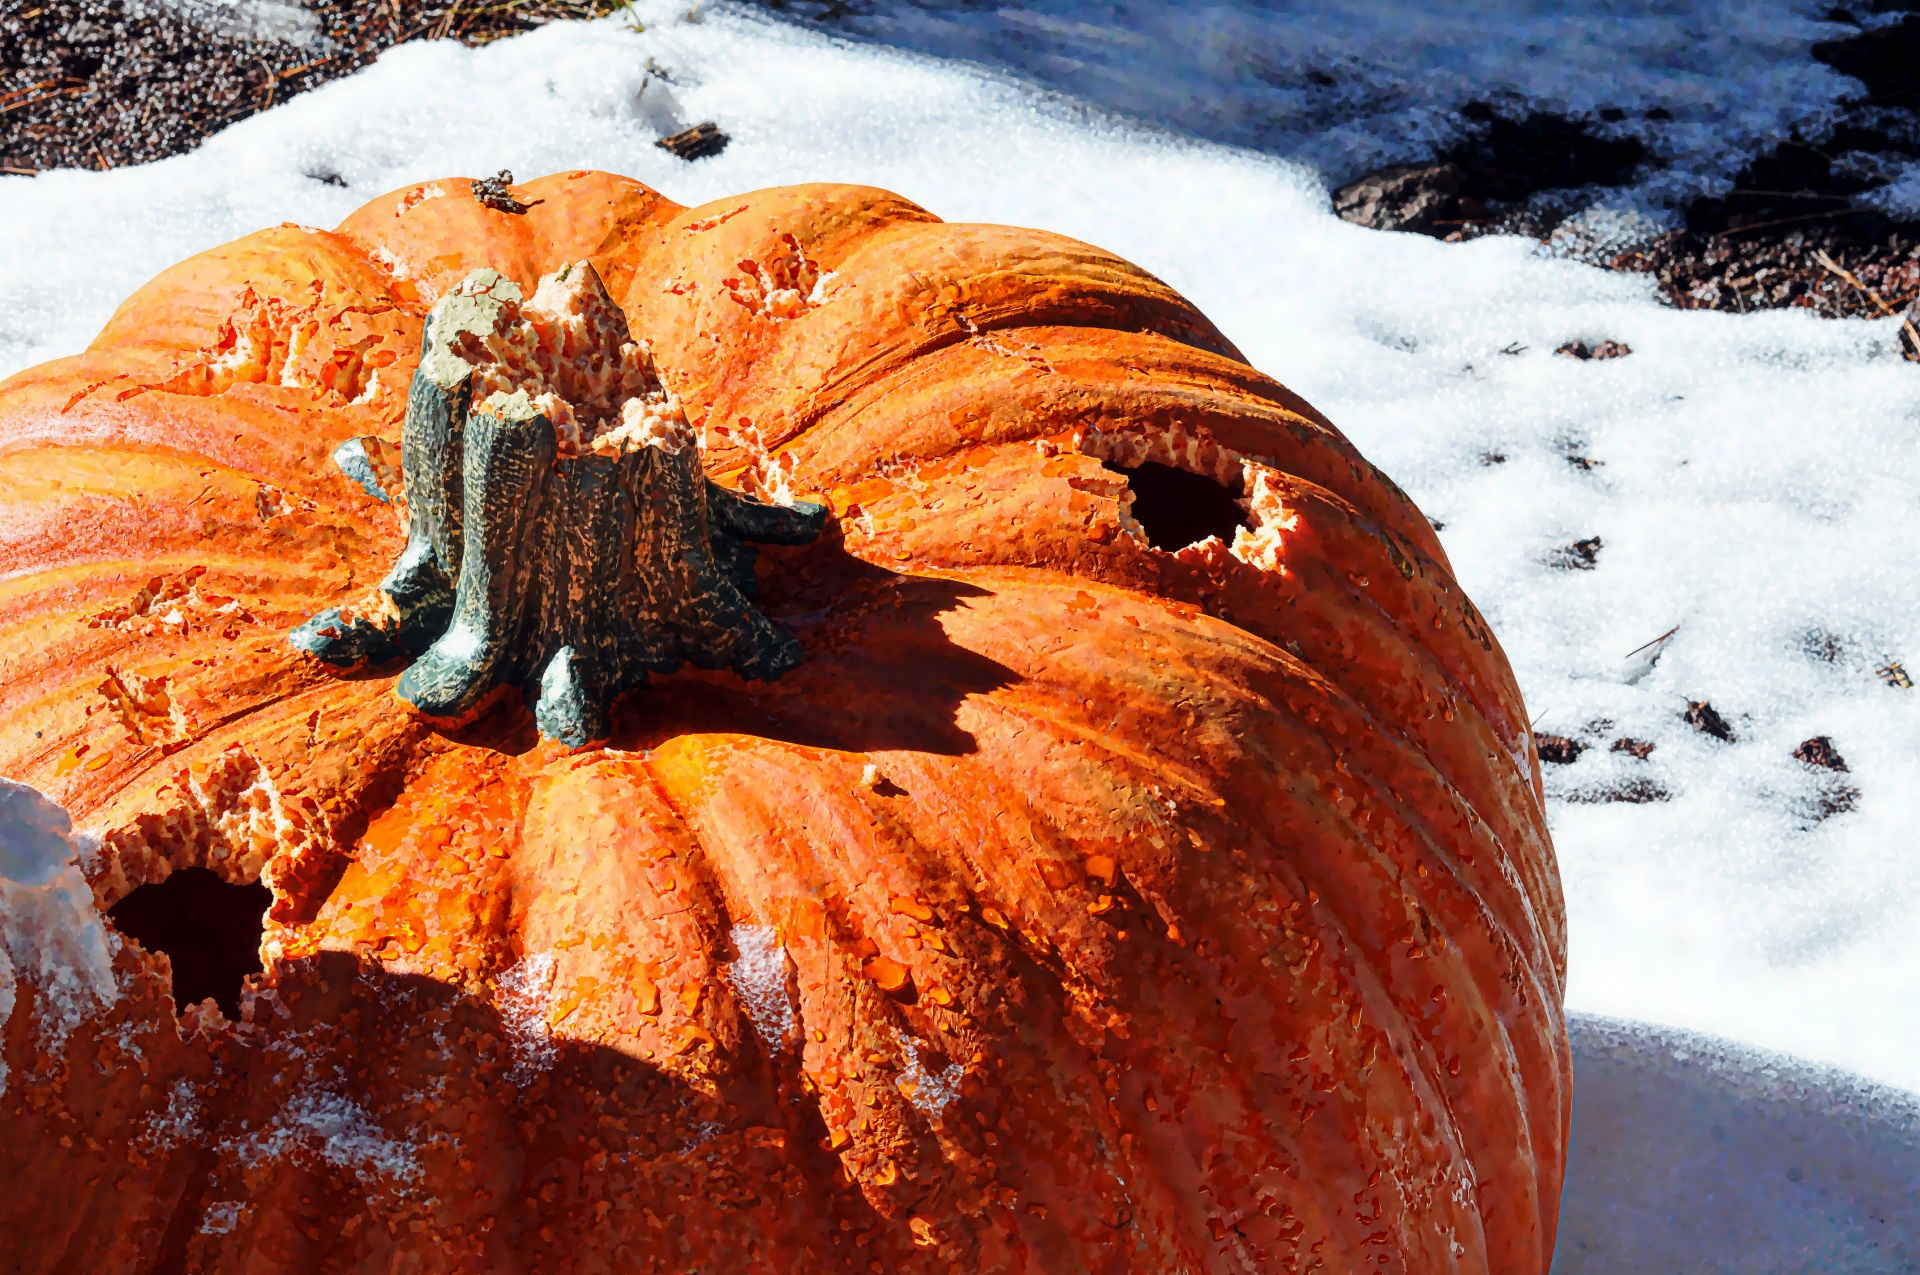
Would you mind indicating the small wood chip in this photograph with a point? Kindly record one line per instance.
(1702, 717)
(698, 142)
(1819, 751)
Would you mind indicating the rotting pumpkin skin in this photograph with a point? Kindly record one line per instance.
(1225, 885)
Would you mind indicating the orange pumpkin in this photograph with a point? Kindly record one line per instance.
(1084, 899)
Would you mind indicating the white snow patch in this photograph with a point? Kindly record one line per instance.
(1690, 1153)
(1346, 88)
(523, 997)
(284, 21)
(50, 932)
(330, 1127)
(930, 1091)
(178, 1124)
(759, 981)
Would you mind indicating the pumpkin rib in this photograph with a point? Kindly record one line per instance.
(1329, 882)
(769, 362)
(1523, 902)
(1053, 937)
(1056, 938)
(1221, 398)
(855, 872)
(1351, 674)
(1357, 837)
(1359, 678)
(1077, 554)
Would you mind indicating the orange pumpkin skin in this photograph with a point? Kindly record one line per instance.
(1135, 910)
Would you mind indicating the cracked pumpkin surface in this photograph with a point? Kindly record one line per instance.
(1076, 904)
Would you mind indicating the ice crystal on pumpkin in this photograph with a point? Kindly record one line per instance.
(759, 980)
(331, 1128)
(929, 1089)
(523, 996)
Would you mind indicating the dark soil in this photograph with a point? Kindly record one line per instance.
(84, 85)
(1793, 231)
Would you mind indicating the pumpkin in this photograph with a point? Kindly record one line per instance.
(1126, 852)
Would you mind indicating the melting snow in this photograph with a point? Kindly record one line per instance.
(333, 1128)
(284, 21)
(524, 998)
(759, 980)
(930, 1091)
(179, 1123)
(51, 935)
(221, 1217)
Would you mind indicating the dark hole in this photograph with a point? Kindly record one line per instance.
(1177, 508)
(208, 927)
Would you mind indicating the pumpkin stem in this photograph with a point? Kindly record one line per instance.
(562, 537)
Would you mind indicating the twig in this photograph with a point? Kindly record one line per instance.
(10, 107)
(1644, 645)
(1784, 221)
(1906, 324)
(32, 88)
(308, 66)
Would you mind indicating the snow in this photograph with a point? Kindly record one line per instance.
(321, 1126)
(1346, 88)
(285, 21)
(1693, 1154)
(759, 981)
(930, 1091)
(523, 996)
(51, 935)
(221, 1217)
(179, 1123)
(1751, 479)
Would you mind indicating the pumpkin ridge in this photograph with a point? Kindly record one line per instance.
(1429, 836)
(1311, 672)
(1266, 1118)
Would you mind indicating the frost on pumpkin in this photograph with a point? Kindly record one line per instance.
(562, 537)
(759, 980)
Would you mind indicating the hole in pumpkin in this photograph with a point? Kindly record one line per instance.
(208, 927)
(1177, 508)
